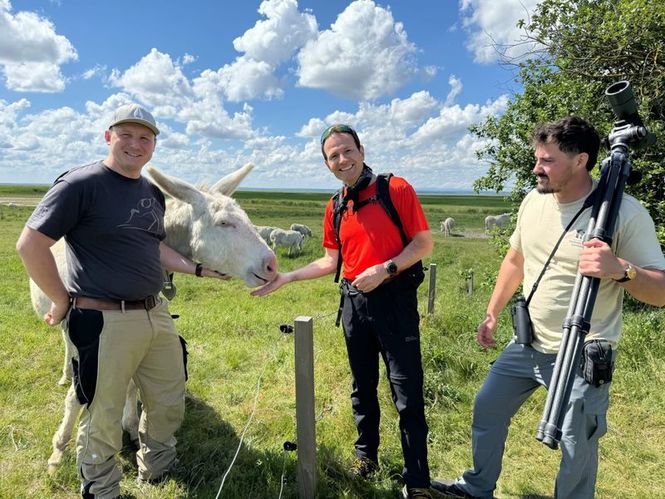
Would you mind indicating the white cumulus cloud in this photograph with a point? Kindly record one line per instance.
(156, 80)
(31, 52)
(493, 30)
(269, 44)
(275, 39)
(245, 79)
(364, 55)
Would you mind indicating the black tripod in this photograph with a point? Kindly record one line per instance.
(615, 172)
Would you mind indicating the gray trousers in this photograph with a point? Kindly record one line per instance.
(514, 376)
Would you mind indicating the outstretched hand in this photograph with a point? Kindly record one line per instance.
(279, 281)
(485, 332)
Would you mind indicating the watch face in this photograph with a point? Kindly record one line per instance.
(391, 268)
(631, 273)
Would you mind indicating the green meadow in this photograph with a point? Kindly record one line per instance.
(242, 370)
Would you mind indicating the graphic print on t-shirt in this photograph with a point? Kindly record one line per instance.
(144, 217)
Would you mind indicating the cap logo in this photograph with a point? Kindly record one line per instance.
(137, 113)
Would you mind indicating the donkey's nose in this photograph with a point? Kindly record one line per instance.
(270, 265)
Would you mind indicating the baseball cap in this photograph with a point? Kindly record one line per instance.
(133, 113)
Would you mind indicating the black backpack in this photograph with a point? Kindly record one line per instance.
(382, 197)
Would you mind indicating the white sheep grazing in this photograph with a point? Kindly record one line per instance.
(447, 226)
(303, 229)
(206, 226)
(288, 238)
(498, 221)
(264, 231)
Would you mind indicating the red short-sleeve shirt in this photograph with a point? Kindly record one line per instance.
(369, 237)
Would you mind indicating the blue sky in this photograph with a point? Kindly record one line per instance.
(234, 82)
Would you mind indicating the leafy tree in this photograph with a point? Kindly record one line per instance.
(586, 45)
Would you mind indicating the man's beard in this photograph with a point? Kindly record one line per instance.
(545, 188)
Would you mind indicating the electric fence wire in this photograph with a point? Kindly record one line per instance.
(281, 479)
(249, 421)
(251, 417)
(242, 436)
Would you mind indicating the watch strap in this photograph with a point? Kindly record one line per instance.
(628, 274)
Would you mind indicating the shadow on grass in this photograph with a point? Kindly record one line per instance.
(206, 448)
(336, 480)
(207, 445)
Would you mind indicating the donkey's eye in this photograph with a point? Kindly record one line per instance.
(226, 224)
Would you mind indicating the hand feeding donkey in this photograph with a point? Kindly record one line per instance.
(206, 226)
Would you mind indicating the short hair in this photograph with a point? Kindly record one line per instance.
(338, 128)
(573, 135)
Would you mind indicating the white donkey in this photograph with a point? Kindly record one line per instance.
(447, 226)
(206, 226)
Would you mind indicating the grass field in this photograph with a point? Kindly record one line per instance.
(235, 345)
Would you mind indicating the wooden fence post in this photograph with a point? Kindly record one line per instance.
(431, 292)
(469, 283)
(306, 429)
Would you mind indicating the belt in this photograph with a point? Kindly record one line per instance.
(147, 303)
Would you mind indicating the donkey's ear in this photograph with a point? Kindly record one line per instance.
(176, 188)
(227, 185)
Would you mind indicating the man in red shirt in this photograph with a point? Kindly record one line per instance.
(379, 306)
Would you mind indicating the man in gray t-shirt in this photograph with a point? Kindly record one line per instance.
(112, 220)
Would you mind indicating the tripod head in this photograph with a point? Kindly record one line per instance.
(629, 130)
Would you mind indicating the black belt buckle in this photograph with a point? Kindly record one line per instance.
(150, 302)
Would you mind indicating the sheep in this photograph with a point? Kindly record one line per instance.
(264, 231)
(288, 238)
(303, 229)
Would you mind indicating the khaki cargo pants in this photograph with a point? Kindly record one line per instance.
(113, 347)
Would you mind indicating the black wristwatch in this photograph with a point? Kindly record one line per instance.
(391, 267)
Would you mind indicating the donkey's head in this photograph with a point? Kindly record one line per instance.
(210, 227)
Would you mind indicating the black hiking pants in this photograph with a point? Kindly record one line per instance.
(386, 322)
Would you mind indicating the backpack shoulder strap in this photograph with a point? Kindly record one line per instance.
(338, 209)
(383, 197)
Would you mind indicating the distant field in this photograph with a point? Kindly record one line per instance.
(468, 210)
(22, 190)
(22, 195)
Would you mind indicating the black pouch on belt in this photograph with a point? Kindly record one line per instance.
(598, 362)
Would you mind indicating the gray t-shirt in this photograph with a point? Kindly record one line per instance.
(112, 225)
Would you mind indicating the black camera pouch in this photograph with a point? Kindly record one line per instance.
(598, 362)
